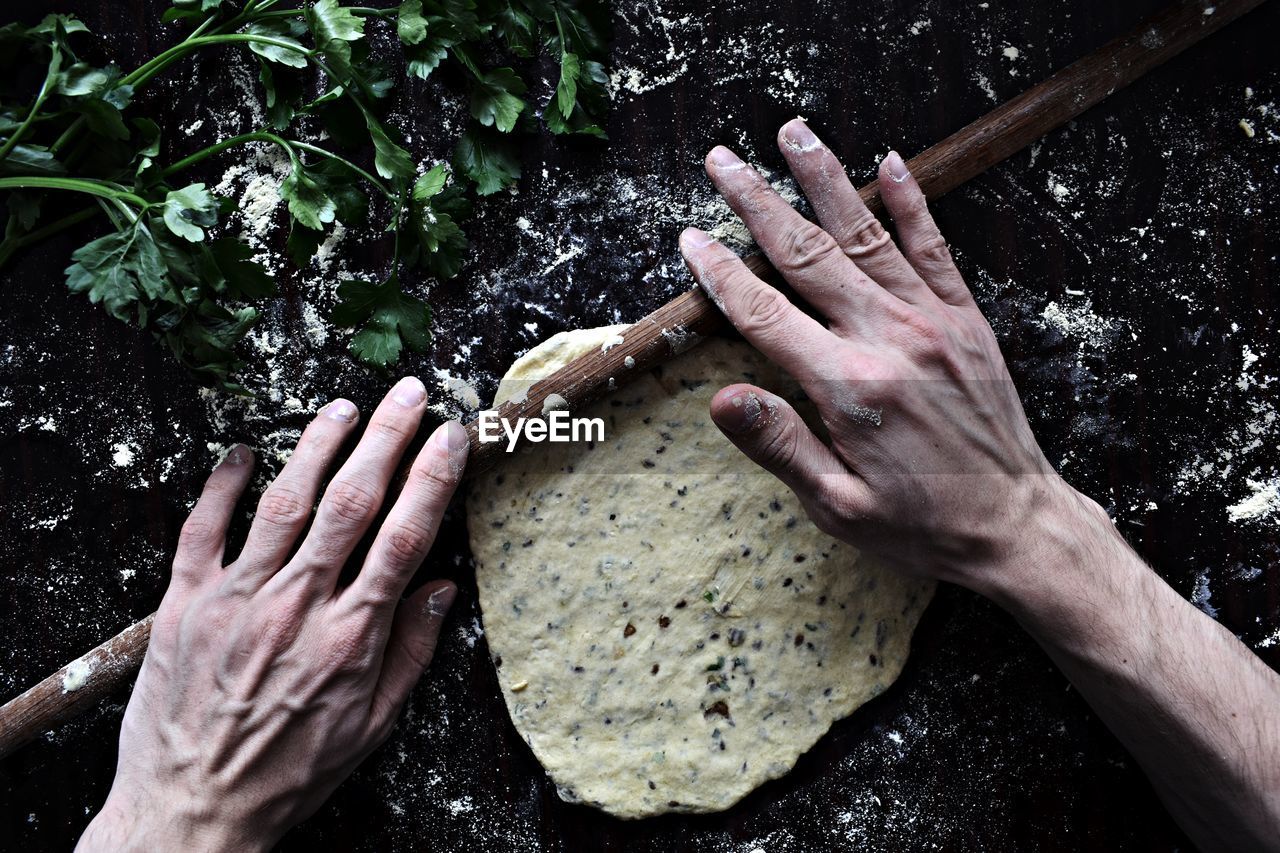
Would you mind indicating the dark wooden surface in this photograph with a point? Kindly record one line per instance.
(1147, 225)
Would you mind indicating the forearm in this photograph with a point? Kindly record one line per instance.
(1198, 710)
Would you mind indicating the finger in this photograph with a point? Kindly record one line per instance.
(807, 256)
(922, 242)
(204, 535)
(410, 529)
(770, 432)
(286, 504)
(784, 333)
(844, 215)
(355, 495)
(410, 647)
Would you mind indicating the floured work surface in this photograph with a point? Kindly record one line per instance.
(669, 627)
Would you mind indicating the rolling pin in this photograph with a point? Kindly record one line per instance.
(688, 318)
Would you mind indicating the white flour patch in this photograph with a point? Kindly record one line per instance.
(77, 675)
(459, 389)
(1079, 323)
(122, 455)
(1263, 503)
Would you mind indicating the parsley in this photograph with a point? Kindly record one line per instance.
(163, 265)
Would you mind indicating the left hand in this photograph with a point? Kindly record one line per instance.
(265, 684)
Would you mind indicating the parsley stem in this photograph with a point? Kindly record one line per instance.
(286, 144)
(83, 185)
(55, 64)
(366, 11)
(217, 148)
(314, 149)
(150, 69)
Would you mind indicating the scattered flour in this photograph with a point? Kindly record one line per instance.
(1263, 503)
(123, 454)
(459, 389)
(77, 675)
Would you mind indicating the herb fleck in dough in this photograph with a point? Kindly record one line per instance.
(670, 629)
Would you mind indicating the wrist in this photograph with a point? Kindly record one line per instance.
(143, 823)
(1073, 582)
(1065, 541)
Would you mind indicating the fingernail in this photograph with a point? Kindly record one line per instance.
(451, 437)
(897, 168)
(342, 410)
(724, 158)
(409, 392)
(238, 455)
(743, 412)
(696, 238)
(799, 137)
(439, 602)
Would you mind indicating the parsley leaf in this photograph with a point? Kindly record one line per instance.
(389, 159)
(189, 211)
(308, 204)
(486, 159)
(494, 101)
(391, 320)
(434, 207)
(411, 25)
(31, 160)
(295, 58)
(333, 26)
(118, 270)
(567, 89)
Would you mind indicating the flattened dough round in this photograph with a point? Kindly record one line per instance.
(670, 629)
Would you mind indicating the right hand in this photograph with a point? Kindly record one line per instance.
(931, 463)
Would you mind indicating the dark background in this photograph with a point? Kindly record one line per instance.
(1128, 264)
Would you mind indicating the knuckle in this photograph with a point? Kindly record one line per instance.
(419, 651)
(283, 507)
(758, 195)
(865, 234)
(933, 250)
(351, 653)
(436, 478)
(806, 246)
(280, 627)
(352, 502)
(393, 430)
(765, 309)
(408, 544)
(922, 336)
(777, 450)
(197, 533)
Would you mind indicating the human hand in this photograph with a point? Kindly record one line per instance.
(265, 684)
(931, 463)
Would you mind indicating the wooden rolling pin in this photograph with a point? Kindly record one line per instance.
(682, 322)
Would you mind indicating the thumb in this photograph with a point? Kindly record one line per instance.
(410, 647)
(770, 432)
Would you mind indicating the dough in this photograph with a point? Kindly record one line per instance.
(670, 630)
